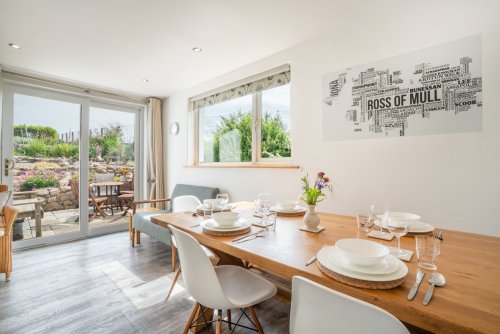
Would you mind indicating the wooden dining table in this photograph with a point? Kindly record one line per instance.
(469, 303)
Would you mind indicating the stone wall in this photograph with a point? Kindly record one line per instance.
(61, 197)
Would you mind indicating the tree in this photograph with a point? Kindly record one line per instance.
(234, 136)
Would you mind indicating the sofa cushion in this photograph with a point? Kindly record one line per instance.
(142, 222)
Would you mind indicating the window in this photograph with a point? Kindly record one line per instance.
(248, 123)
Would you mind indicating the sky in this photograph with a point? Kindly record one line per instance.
(65, 116)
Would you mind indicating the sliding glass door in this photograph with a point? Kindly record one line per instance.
(70, 162)
(112, 174)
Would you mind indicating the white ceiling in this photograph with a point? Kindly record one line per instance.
(116, 43)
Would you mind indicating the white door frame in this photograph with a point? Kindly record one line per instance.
(12, 88)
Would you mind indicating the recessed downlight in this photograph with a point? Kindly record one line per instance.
(197, 49)
(14, 45)
(144, 80)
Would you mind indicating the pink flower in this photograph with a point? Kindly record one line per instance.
(321, 174)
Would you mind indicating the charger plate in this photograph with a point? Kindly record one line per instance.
(356, 279)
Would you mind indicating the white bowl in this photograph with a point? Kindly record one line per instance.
(225, 218)
(362, 252)
(287, 205)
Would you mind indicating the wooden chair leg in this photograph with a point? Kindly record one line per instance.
(229, 318)
(218, 327)
(137, 237)
(255, 320)
(7, 277)
(132, 236)
(191, 318)
(174, 257)
(176, 277)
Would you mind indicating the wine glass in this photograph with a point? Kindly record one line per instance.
(222, 200)
(380, 212)
(263, 204)
(399, 227)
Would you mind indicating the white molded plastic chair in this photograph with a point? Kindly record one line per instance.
(318, 309)
(185, 203)
(180, 204)
(221, 287)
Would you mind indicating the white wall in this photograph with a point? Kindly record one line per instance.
(451, 180)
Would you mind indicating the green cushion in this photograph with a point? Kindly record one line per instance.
(142, 222)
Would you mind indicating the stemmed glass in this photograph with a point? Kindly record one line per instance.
(263, 204)
(380, 212)
(399, 227)
(222, 200)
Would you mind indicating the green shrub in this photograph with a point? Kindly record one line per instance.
(35, 182)
(37, 148)
(63, 150)
(34, 131)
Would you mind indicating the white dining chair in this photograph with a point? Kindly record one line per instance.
(185, 203)
(222, 287)
(318, 309)
(181, 204)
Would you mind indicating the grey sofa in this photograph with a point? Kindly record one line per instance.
(141, 221)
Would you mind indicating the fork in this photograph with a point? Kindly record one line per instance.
(254, 236)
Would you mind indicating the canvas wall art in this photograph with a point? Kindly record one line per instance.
(430, 91)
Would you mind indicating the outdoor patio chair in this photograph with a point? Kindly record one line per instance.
(98, 203)
(9, 214)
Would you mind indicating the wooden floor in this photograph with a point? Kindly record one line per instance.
(102, 285)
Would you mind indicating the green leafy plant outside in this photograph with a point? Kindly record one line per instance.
(275, 141)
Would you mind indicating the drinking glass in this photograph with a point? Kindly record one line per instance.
(380, 212)
(222, 200)
(270, 220)
(428, 249)
(398, 227)
(208, 209)
(364, 222)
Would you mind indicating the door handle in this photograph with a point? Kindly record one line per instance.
(9, 164)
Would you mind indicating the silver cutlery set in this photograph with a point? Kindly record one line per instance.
(435, 279)
(251, 236)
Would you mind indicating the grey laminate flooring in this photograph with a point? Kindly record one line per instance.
(102, 285)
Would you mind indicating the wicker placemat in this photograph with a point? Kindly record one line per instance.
(227, 233)
(359, 283)
(291, 214)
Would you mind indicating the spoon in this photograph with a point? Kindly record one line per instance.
(435, 279)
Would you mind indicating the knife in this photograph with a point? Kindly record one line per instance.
(244, 237)
(311, 260)
(414, 288)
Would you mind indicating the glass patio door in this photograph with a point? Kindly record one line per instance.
(112, 174)
(70, 162)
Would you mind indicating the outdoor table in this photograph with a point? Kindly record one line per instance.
(110, 185)
(28, 208)
(469, 303)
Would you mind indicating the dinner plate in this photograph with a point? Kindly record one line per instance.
(294, 210)
(216, 209)
(325, 260)
(388, 265)
(212, 225)
(415, 227)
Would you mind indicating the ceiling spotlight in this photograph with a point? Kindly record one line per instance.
(14, 45)
(196, 49)
(145, 80)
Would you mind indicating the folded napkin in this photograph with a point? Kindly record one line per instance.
(407, 257)
(380, 235)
